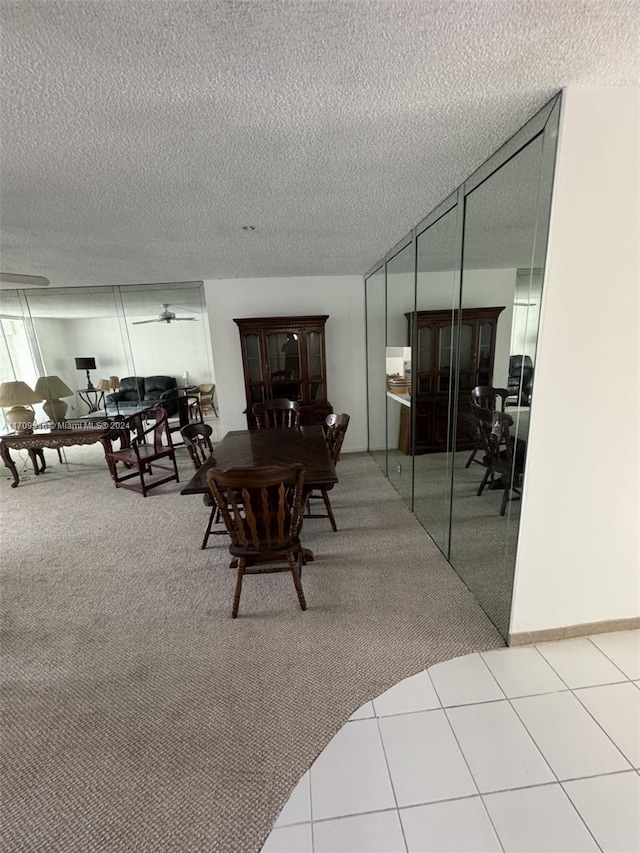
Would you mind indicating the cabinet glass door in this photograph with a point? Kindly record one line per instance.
(314, 366)
(253, 361)
(283, 353)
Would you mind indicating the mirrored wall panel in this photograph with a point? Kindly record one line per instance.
(437, 297)
(401, 300)
(104, 351)
(462, 303)
(376, 366)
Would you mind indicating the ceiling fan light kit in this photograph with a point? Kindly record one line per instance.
(165, 316)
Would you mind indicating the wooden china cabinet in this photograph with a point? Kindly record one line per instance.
(432, 363)
(284, 357)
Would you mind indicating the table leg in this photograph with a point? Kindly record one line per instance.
(36, 454)
(10, 464)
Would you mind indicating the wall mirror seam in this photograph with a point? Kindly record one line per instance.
(452, 316)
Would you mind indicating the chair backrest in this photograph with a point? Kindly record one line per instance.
(497, 441)
(197, 440)
(207, 388)
(276, 413)
(489, 398)
(157, 431)
(261, 507)
(336, 427)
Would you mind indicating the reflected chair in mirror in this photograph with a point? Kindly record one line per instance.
(149, 447)
(520, 381)
(499, 457)
(276, 414)
(264, 529)
(206, 393)
(493, 399)
(197, 440)
(335, 428)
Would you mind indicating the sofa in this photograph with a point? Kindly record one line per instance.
(138, 392)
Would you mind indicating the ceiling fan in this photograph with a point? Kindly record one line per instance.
(165, 316)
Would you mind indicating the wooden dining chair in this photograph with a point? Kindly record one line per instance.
(498, 446)
(335, 428)
(264, 528)
(493, 399)
(151, 445)
(197, 440)
(276, 413)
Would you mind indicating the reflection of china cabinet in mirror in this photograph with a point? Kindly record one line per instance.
(284, 357)
(433, 362)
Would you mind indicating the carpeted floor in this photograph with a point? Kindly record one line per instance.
(137, 715)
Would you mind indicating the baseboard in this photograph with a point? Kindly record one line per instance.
(527, 638)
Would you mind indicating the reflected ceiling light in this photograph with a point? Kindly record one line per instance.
(12, 279)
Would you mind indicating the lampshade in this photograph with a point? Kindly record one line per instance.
(85, 364)
(103, 385)
(17, 394)
(114, 382)
(52, 388)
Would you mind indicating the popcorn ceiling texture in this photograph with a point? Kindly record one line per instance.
(140, 136)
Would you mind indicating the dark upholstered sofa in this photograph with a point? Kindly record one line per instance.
(137, 392)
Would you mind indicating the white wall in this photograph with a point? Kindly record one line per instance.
(341, 297)
(578, 549)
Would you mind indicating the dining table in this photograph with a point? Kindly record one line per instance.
(264, 447)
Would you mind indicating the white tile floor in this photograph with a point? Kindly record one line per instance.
(525, 750)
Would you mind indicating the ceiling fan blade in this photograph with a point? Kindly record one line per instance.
(185, 318)
(142, 322)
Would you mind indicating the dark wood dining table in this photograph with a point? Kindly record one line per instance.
(255, 449)
(258, 448)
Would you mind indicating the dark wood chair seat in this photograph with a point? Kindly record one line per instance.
(143, 456)
(264, 527)
(335, 430)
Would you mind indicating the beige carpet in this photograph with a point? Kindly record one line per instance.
(137, 715)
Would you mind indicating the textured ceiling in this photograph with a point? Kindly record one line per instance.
(138, 137)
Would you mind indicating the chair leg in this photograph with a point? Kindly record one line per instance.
(238, 592)
(472, 457)
(141, 471)
(175, 466)
(207, 533)
(327, 503)
(505, 498)
(293, 565)
(487, 474)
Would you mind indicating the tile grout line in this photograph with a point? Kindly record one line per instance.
(602, 729)
(473, 778)
(393, 790)
(602, 652)
(573, 690)
(313, 840)
(555, 775)
(464, 797)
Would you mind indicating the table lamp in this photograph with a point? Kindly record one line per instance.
(15, 396)
(86, 364)
(50, 389)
